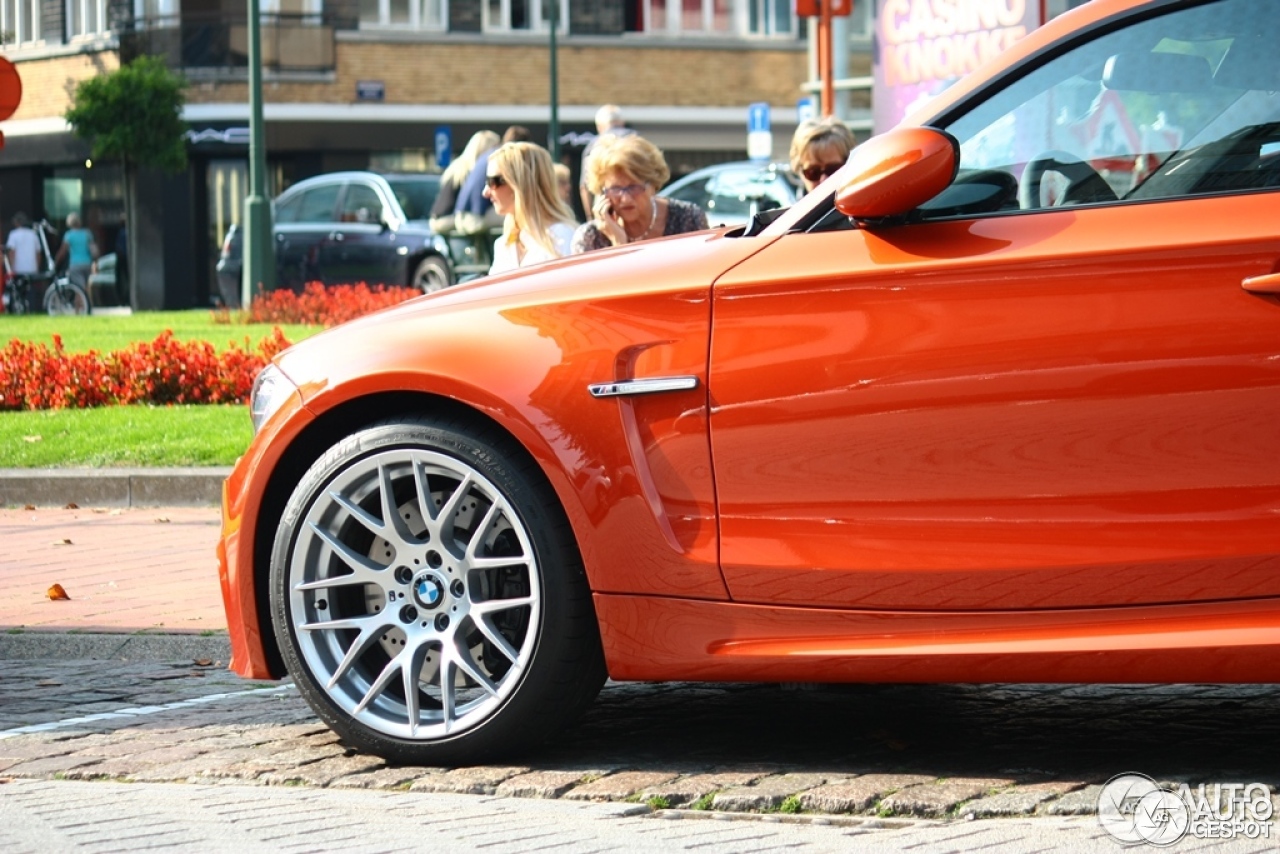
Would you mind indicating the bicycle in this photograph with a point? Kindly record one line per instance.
(61, 295)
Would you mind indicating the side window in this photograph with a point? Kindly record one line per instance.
(286, 210)
(361, 204)
(317, 205)
(1179, 104)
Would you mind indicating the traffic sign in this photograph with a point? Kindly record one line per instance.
(10, 88)
(759, 137)
(444, 146)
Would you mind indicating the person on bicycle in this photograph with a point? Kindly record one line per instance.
(78, 250)
(23, 247)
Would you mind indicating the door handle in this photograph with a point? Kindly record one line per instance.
(1268, 284)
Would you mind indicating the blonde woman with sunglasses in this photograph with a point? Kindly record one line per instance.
(624, 174)
(538, 225)
(818, 148)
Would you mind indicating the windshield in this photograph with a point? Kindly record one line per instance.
(416, 194)
(1175, 104)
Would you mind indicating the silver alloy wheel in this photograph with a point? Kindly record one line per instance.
(414, 594)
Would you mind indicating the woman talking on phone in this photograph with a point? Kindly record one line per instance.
(625, 173)
(521, 182)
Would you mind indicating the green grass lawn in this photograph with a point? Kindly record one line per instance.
(152, 436)
(107, 436)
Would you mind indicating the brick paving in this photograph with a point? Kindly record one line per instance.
(125, 570)
(893, 751)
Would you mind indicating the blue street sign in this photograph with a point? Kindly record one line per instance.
(757, 117)
(806, 109)
(444, 146)
(759, 137)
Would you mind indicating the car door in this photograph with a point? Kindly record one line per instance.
(1064, 395)
(304, 218)
(360, 246)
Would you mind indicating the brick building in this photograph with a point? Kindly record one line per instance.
(355, 84)
(367, 84)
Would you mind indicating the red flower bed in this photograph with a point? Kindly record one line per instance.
(319, 305)
(168, 371)
(163, 371)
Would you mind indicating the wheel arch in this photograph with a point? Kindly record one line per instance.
(421, 255)
(310, 444)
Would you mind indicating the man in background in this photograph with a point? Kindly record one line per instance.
(609, 122)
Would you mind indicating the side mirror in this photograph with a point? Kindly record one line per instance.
(894, 173)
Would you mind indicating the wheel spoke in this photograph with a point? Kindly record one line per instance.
(462, 657)
(449, 509)
(391, 513)
(478, 535)
(364, 517)
(366, 637)
(378, 684)
(362, 567)
(495, 637)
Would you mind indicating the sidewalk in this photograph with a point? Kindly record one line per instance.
(142, 582)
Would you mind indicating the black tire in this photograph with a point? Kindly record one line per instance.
(432, 274)
(485, 584)
(66, 297)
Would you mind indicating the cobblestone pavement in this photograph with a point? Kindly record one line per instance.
(909, 752)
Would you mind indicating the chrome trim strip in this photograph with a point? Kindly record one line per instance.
(654, 385)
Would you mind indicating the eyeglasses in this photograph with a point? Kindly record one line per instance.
(814, 174)
(632, 190)
(493, 182)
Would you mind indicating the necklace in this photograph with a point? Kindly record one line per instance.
(653, 220)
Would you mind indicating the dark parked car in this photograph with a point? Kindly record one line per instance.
(732, 193)
(348, 227)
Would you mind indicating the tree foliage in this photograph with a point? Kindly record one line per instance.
(133, 114)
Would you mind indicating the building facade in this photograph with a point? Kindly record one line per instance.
(357, 84)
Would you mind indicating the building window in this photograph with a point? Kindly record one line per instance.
(86, 18)
(770, 18)
(415, 14)
(524, 15)
(692, 17)
(19, 22)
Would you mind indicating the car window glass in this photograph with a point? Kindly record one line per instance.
(286, 210)
(741, 192)
(415, 195)
(361, 204)
(1173, 105)
(317, 204)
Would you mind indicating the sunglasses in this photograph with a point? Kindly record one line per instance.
(493, 182)
(814, 174)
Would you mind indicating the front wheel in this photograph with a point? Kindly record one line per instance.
(432, 274)
(66, 297)
(428, 596)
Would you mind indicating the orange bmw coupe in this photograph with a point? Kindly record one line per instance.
(999, 401)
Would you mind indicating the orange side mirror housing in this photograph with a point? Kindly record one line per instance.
(896, 172)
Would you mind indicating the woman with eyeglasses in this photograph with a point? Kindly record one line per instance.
(520, 180)
(624, 174)
(818, 148)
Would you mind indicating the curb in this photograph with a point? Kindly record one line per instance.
(66, 646)
(123, 487)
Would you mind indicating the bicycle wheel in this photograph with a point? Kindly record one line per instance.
(19, 292)
(66, 297)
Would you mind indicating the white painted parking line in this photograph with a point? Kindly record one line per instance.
(140, 711)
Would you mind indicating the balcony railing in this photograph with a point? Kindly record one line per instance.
(290, 42)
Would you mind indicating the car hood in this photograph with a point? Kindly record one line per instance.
(389, 339)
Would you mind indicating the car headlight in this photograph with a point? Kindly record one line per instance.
(270, 390)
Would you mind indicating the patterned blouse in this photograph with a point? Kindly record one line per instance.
(682, 217)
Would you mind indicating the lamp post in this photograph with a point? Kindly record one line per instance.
(553, 121)
(258, 258)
